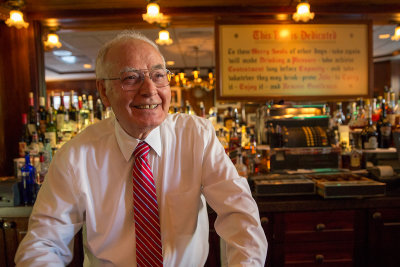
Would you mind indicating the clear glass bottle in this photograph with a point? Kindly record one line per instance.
(369, 135)
(338, 115)
(384, 129)
(240, 166)
(51, 129)
(60, 118)
(202, 110)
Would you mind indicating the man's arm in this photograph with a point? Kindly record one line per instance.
(54, 221)
(238, 219)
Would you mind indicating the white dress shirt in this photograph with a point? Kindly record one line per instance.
(89, 185)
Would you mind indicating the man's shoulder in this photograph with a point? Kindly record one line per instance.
(94, 133)
(186, 120)
(184, 126)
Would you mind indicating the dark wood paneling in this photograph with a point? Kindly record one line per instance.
(20, 73)
(382, 73)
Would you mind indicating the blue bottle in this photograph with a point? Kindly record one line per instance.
(28, 173)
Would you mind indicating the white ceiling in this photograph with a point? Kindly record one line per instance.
(85, 44)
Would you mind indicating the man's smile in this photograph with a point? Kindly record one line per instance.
(146, 106)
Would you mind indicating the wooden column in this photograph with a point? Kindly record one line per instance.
(21, 71)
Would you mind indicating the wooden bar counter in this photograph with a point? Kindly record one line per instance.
(301, 231)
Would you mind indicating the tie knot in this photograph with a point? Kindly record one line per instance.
(142, 150)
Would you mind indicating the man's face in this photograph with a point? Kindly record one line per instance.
(138, 111)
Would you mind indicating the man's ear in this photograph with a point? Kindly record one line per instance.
(101, 87)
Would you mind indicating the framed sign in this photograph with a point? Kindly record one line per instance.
(298, 61)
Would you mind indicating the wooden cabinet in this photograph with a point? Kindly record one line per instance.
(384, 237)
(13, 229)
(318, 238)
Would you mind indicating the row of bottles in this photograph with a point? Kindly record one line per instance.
(44, 131)
(59, 124)
(371, 126)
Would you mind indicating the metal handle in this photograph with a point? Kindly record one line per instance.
(320, 227)
(319, 258)
(8, 225)
(264, 220)
(377, 215)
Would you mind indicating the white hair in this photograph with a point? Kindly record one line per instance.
(121, 37)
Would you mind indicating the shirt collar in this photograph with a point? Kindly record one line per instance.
(127, 143)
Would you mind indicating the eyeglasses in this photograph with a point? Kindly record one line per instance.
(133, 79)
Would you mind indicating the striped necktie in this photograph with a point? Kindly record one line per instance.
(147, 222)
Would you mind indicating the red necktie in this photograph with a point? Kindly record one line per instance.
(147, 222)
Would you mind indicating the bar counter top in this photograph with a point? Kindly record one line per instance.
(316, 202)
(284, 203)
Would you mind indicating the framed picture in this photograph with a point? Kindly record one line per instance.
(176, 96)
(257, 60)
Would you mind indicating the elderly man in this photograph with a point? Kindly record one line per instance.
(138, 182)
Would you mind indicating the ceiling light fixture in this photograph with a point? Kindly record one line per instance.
(52, 40)
(197, 82)
(396, 35)
(153, 14)
(303, 12)
(163, 35)
(163, 38)
(16, 18)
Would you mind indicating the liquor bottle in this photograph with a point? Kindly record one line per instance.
(80, 119)
(229, 119)
(240, 166)
(362, 112)
(51, 128)
(42, 118)
(236, 117)
(90, 108)
(338, 116)
(32, 117)
(376, 109)
(25, 136)
(84, 111)
(355, 157)
(28, 173)
(245, 137)
(390, 113)
(99, 110)
(222, 139)
(44, 167)
(384, 129)
(60, 118)
(202, 110)
(35, 146)
(188, 107)
(369, 135)
(353, 123)
(397, 112)
(47, 152)
(72, 110)
(234, 141)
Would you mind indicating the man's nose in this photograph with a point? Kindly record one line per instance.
(148, 87)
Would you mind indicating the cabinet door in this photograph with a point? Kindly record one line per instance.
(317, 254)
(3, 251)
(14, 230)
(266, 223)
(320, 226)
(384, 237)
